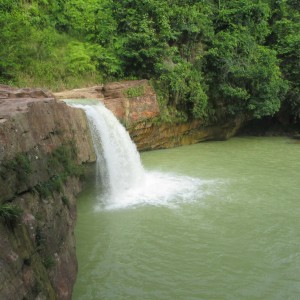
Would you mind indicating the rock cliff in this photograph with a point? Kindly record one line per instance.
(44, 148)
(150, 135)
(130, 101)
(134, 103)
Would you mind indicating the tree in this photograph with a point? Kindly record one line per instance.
(286, 40)
(243, 75)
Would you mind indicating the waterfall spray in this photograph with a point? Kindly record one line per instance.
(120, 175)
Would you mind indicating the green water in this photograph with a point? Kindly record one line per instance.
(238, 239)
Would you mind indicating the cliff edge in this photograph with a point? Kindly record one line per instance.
(45, 147)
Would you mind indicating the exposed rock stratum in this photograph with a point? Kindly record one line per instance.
(44, 146)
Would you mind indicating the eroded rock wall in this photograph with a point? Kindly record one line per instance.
(130, 101)
(45, 147)
(151, 136)
(135, 104)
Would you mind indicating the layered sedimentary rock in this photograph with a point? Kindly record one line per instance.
(44, 145)
(151, 136)
(130, 101)
(93, 92)
(135, 104)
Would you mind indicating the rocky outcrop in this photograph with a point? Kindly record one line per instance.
(135, 104)
(44, 148)
(150, 136)
(94, 92)
(130, 101)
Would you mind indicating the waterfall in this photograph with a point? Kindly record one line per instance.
(119, 166)
(121, 178)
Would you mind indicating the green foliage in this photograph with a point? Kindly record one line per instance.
(91, 19)
(43, 190)
(10, 214)
(34, 53)
(49, 262)
(183, 86)
(246, 78)
(61, 164)
(79, 59)
(133, 92)
(252, 16)
(55, 184)
(208, 59)
(191, 27)
(64, 158)
(20, 165)
(143, 29)
(88, 58)
(286, 38)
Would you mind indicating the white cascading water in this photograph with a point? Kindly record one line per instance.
(121, 176)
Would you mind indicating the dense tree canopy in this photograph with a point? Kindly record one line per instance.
(209, 59)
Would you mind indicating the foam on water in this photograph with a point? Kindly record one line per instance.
(122, 180)
(159, 189)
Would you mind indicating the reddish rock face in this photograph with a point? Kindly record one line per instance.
(131, 101)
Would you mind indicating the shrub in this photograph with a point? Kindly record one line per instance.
(135, 92)
(49, 262)
(20, 165)
(10, 214)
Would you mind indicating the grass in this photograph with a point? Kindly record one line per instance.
(61, 164)
(64, 158)
(134, 92)
(55, 184)
(10, 214)
(53, 71)
(49, 262)
(20, 165)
